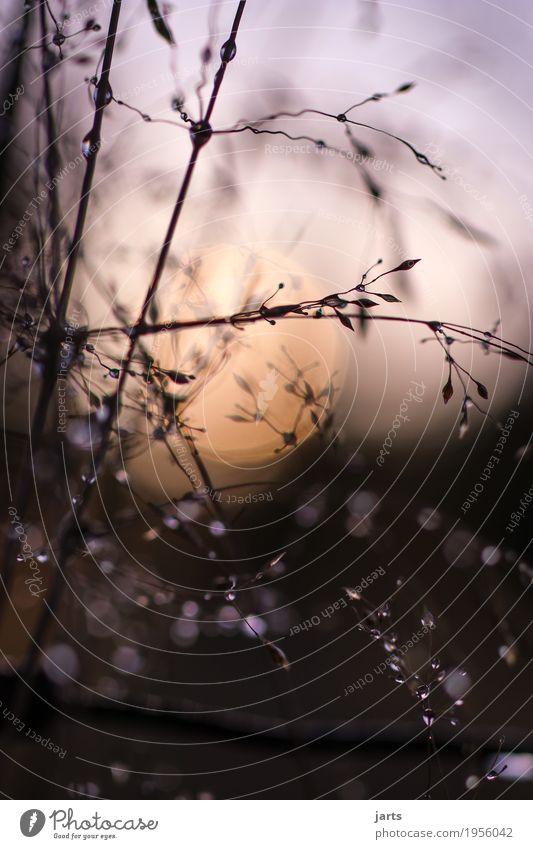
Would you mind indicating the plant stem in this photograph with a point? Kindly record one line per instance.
(72, 525)
(53, 337)
(52, 154)
(102, 90)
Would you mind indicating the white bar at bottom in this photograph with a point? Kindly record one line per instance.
(260, 824)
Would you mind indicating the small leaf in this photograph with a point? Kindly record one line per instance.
(279, 312)
(390, 299)
(180, 377)
(405, 87)
(309, 391)
(406, 265)
(482, 391)
(159, 22)
(447, 391)
(240, 381)
(289, 438)
(365, 302)
(237, 418)
(275, 560)
(279, 657)
(344, 320)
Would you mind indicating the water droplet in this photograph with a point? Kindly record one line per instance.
(60, 664)
(508, 653)
(384, 612)
(217, 528)
(201, 132)
(490, 555)
(189, 511)
(471, 782)
(422, 692)
(184, 632)
(428, 716)
(108, 93)
(496, 772)
(228, 50)
(58, 39)
(429, 519)
(120, 773)
(190, 609)
(460, 549)
(171, 522)
(230, 595)
(428, 620)
(363, 503)
(127, 659)
(161, 597)
(308, 515)
(88, 147)
(435, 663)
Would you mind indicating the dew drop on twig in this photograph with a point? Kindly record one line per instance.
(279, 656)
(228, 51)
(428, 716)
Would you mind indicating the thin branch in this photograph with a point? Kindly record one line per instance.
(91, 148)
